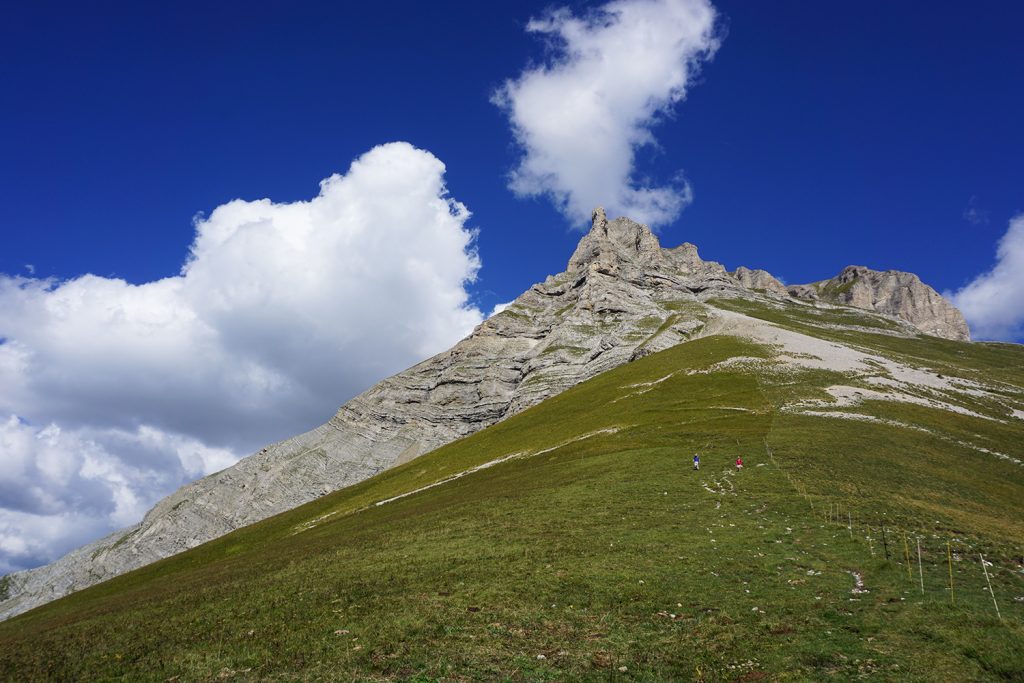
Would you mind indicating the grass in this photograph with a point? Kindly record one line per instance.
(993, 363)
(597, 553)
(810, 318)
(834, 291)
(572, 350)
(666, 324)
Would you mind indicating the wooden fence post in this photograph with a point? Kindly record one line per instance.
(920, 570)
(949, 558)
(989, 582)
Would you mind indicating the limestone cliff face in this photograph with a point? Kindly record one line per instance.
(621, 297)
(759, 279)
(892, 292)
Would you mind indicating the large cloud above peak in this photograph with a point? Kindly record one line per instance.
(993, 302)
(581, 117)
(113, 394)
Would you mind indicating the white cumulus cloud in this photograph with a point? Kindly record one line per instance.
(113, 394)
(993, 302)
(581, 116)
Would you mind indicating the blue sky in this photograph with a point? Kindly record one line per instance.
(816, 136)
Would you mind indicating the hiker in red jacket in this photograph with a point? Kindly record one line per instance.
(739, 463)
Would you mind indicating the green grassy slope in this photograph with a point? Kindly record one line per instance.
(987, 361)
(596, 552)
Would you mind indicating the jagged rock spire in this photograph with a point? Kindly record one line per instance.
(611, 243)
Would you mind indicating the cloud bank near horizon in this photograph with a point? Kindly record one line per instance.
(112, 394)
(581, 116)
(993, 302)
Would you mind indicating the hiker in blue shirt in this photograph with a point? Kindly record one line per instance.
(696, 461)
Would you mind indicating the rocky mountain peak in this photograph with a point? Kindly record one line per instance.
(892, 292)
(611, 243)
(759, 279)
(851, 273)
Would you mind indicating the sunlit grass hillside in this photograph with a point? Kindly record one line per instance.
(575, 541)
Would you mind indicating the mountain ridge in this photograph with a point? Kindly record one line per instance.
(892, 292)
(575, 541)
(621, 297)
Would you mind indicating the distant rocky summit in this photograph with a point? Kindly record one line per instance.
(621, 297)
(759, 280)
(892, 292)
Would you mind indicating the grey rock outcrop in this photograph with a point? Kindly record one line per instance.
(621, 297)
(805, 292)
(759, 279)
(892, 292)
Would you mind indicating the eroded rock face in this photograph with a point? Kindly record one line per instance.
(621, 297)
(759, 279)
(892, 292)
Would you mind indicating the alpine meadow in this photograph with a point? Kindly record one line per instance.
(596, 340)
(873, 531)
